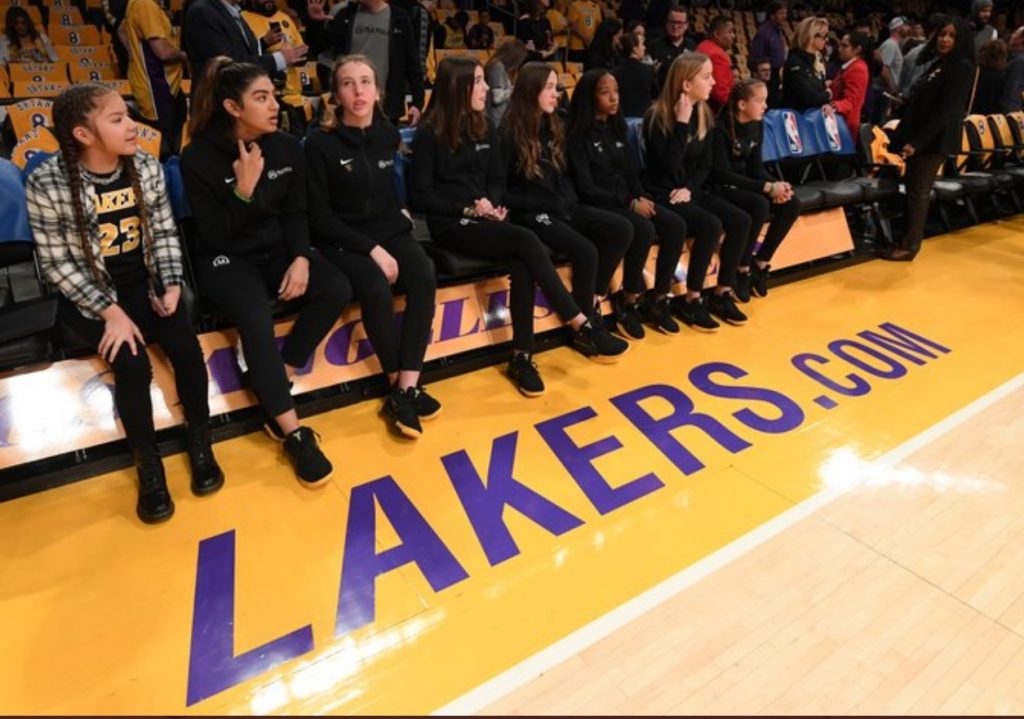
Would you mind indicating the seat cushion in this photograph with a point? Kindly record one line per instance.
(976, 183)
(838, 194)
(949, 190)
(810, 199)
(876, 189)
(456, 265)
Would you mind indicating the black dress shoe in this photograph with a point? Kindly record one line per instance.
(896, 255)
(155, 503)
(207, 476)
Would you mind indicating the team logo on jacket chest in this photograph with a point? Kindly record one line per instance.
(385, 164)
(274, 174)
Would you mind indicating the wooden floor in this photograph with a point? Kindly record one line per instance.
(906, 596)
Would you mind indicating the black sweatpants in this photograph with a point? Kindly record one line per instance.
(244, 291)
(529, 266)
(594, 240)
(669, 230)
(706, 217)
(133, 373)
(759, 207)
(397, 349)
(919, 178)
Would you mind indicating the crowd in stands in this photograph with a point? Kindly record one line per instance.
(295, 202)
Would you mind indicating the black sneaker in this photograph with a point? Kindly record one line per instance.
(207, 476)
(724, 307)
(400, 407)
(627, 317)
(310, 464)
(742, 287)
(693, 313)
(655, 312)
(523, 371)
(273, 429)
(759, 280)
(597, 343)
(426, 406)
(155, 504)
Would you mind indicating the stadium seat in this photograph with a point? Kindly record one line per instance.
(40, 89)
(65, 17)
(93, 73)
(149, 139)
(76, 53)
(76, 35)
(38, 140)
(39, 72)
(27, 114)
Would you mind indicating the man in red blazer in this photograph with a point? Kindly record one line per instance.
(850, 86)
(721, 36)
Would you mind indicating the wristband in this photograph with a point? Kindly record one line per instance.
(242, 197)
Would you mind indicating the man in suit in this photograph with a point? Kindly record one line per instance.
(216, 27)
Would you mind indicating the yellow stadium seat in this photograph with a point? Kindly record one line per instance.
(986, 142)
(93, 73)
(27, 114)
(121, 87)
(32, 10)
(65, 17)
(39, 72)
(76, 53)
(76, 35)
(39, 89)
(149, 139)
(5, 82)
(574, 68)
(38, 139)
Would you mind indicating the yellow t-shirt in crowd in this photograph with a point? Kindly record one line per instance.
(145, 20)
(260, 26)
(584, 16)
(559, 26)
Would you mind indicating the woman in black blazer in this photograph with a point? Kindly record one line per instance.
(932, 124)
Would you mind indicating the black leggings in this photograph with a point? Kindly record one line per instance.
(397, 349)
(594, 240)
(759, 207)
(670, 231)
(706, 217)
(529, 266)
(243, 290)
(133, 373)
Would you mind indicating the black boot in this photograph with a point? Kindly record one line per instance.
(207, 476)
(155, 503)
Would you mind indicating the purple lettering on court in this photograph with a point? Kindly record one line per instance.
(497, 313)
(579, 462)
(212, 664)
(485, 504)
(659, 431)
(893, 369)
(224, 370)
(337, 348)
(902, 342)
(540, 300)
(791, 416)
(362, 564)
(857, 387)
(451, 320)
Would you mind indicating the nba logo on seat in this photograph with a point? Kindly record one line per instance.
(832, 132)
(796, 145)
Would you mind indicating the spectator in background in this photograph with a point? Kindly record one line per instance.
(803, 78)
(850, 87)
(22, 41)
(674, 42)
(212, 28)
(639, 32)
(638, 82)
(155, 67)
(721, 36)
(500, 73)
(383, 33)
(770, 41)
(831, 57)
(604, 49)
(912, 69)
(584, 18)
(452, 34)
(992, 61)
(1013, 91)
(424, 26)
(277, 29)
(481, 35)
(981, 16)
(891, 65)
(534, 29)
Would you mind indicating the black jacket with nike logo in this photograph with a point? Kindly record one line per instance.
(352, 200)
(272, 223)
(604, 168)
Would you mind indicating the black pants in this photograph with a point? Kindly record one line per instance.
(759, 207)
(595, 241)
(529, 267)
(919, 178)
(669, 229)
(133, 373)
(396, 349)
(243, 290)
(706, 217)
(170, 115)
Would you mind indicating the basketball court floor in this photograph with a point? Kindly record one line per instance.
(818, 512)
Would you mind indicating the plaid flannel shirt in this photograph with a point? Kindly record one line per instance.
(60, 254)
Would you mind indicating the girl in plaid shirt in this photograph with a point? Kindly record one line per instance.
(106, 239)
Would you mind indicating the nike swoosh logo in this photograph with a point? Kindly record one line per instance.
(597, 144)
(228, 180)
(345, 162)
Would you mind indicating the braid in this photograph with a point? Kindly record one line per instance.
(128, 163)
(69, 152)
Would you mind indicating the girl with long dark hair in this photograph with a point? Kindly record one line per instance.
(360, 226)
(541, 198)
(739, 177)
(246, 184)
(106, 239)
(607, 175)
(458, 180)
(22, 41)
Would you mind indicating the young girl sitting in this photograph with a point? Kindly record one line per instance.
(106, 239)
